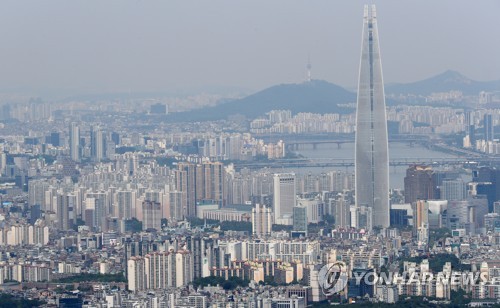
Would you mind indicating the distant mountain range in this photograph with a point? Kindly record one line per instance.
(319, 96)
(445, 82)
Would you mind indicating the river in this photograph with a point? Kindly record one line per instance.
(397, 150)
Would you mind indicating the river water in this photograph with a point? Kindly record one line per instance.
(397, 150)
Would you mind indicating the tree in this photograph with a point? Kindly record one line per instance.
(135, 225)
(9, 301)
(436, 262)
(93, 277)
(236, 226)
(328, 219)
(229, 284)
(460, 298)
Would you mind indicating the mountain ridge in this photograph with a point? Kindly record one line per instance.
(319, 96)
(449, 80)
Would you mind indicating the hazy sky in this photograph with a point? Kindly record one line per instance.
(106, 46)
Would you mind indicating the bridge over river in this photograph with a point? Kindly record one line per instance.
(346, 163)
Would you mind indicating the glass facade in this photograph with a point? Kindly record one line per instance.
(372, 159)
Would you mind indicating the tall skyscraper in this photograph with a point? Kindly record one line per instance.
(418, 184)
(489, 128)
(62, 207)
(299, 221)
(186, 182)
(372, 154)
(97, 144)
(74, 142)
(284, 197)
(470, 128)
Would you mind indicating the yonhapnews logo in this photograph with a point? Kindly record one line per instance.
(332, 278)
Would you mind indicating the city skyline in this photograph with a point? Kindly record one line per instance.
(287, 197)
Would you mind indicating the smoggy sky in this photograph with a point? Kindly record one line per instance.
(97, 46)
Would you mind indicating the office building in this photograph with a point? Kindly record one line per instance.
(371, 149)
(418, 184)
(496, 207)
(315, 209)
(401, 215)
(489, 175)
(437, 213)
(421, 214)
(284, 197)
(361, 217)
(467, 214)
(489, 128)
(453, 190)
(299, 221)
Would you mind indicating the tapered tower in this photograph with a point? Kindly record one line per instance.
(372, 153)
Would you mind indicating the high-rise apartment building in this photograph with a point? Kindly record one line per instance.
(125, 204)
(177, 205)
(160, 270)
(62, 206)
(371, 150)
(151, 212)
(262, 220)
(74, 142)
(97, 144)
(341, 208)
(200, 182)
(186, 181)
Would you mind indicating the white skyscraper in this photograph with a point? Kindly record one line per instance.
(284, 197)
(372, 153)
